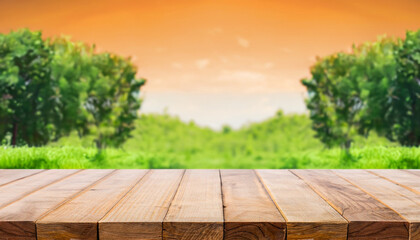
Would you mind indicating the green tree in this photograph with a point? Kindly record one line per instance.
(403, 114)
(70, 67)
(375, 71)
(112, 100)
(51, 87)
(349, 92)
(376, 87)
(334, 99)
(28, 95)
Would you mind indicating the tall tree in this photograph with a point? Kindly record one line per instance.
(334, 99)
(403, 115)
(376, 70)
(51, 87)
(28, 95)
(112, 99)
(70, 67)
(376, 87)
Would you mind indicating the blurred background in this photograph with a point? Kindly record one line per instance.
(222, 83)
(218, 62)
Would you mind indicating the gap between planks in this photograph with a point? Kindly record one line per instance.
(404, 202)
(8, 176)
(15, 223)
(368, 218)
(79, 217)
(279, 208)
(140, 214)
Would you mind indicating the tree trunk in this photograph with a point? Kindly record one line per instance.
(347, 144)
(14, 136)
(98, 144)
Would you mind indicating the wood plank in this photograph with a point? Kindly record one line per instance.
(197, 209)
(368, 218)
(11, 175)
(18, 189)
(405, 179)
(140, 214)
(413, 171)
(249, 212)
(17, 220)
(403, 201)
(308, 215)
(78, 218)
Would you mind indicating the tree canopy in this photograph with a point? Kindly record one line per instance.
(375, 87)
(50, 87)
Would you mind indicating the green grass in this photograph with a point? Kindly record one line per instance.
(162, 141)
(79, 157)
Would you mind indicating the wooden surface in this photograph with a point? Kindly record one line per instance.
(368, 218)
(308, 215)
(141, 213)
(209, 204)
(20, 216)
(402, 178)
(7, 176)
(78, 218)
(248, 210)
(19, 189)
(196, 212)
(403, 201)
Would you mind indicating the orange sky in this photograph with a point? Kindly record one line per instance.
(240, 46)
(218, 61)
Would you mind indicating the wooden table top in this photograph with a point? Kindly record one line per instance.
(209, 204)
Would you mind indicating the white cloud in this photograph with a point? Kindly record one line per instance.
(160, 49)
(215, 31)
(243, 42)
(268, 65)
(177, 65)
(242, 76)
(223, 59)
(285, 50)
(202, 63)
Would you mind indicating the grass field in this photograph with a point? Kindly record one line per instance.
(162, 141)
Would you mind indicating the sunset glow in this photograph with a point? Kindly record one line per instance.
(217, 46)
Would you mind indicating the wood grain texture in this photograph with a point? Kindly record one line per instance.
(368, 218)
(414, 231)
(17, 220)
(10, 175)
(178, 204)
(404, 179)
(308, 215)
(18, 189)
(413, 171)
(403, 201)
(77, 219)
(140, 214)
(249, 212)
(196, 211)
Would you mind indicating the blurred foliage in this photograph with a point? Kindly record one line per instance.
(49, 88)
(375, 87)
(162, 141)
(59, 93)
(404, 112)
(28, 96)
